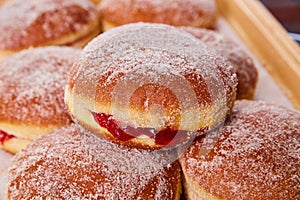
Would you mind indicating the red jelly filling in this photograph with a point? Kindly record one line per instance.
(4, 136)
(162, 137)
(111, 125)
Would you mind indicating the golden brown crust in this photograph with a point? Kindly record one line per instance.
(152, 76)
(32, 89)
(104, 92)
(14, 145)
(254, 156)
(72, 163)
(198, 13)
(46, 22)
(242, 62)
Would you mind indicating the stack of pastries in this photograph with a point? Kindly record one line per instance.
(150, 109)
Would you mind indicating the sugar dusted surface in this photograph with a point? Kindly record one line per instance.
(241, 61)
(257, 155)
(173, 12)
(5, 160)
(144, 53)
(32, 85)
(135, 45)
(71, 163)
(38, 21)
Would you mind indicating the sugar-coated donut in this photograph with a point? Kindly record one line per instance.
(255, 156)
(149, 85)
(32, 94)
(244, 66)
(71, 163)
(198, 13)
(46, 22)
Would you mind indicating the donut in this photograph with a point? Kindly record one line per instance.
(256, 155)
(198, 13)
(46, 22)
(32, 94)
(149, 85)
(242, 62)
(71, 163)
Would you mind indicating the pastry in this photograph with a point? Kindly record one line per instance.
(46, 22)
(254, 156)
(241, 61)
(150, 86)
(198, 13)
(71, 163)
(32, 94)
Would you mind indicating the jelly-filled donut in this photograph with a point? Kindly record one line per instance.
(150, 86)
(46, 22)
(255, 156)
(71, 163)
(32, 94)
(244, 66)
(198, 13)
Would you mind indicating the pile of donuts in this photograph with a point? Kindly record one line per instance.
(137, 99)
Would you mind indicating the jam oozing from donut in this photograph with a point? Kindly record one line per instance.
(4, 136)
(111, 125)
(163, 137)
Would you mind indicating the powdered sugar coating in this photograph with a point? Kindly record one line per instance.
(71, 163)
(201, 13)
(257, 155)
(242, 62)
(36, 22)
(147, 75)
(32, 86)
(143, 53)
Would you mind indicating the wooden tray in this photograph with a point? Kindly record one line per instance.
(268, 41)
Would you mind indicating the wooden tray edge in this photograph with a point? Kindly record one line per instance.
(268, 40)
